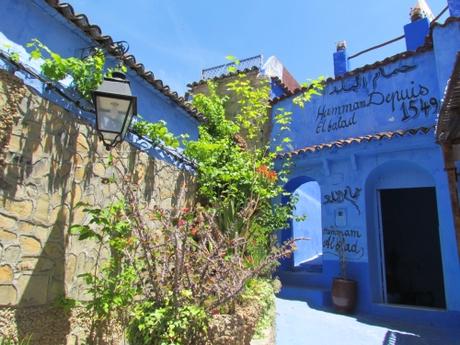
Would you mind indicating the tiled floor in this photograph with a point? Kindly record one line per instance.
(298, 324)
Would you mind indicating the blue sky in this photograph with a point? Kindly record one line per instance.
(175, 39)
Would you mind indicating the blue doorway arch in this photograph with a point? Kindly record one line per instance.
(308, 255)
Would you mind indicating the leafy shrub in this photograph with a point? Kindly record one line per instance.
(86, 74)
(12, 341)
(262, 291)
(171, 270)
(165, 281)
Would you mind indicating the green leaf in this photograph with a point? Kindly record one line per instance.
(35, 54)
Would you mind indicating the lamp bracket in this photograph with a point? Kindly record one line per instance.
(120, 48)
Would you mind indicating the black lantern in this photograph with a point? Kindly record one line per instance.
(115, 106)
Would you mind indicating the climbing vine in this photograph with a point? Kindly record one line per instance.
(86, 74)
(203, 259)
(165, 282)
(157, 131)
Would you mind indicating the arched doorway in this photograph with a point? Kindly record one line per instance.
(404, 244)
(308, 256)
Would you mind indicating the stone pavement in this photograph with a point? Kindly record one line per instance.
(298, 324)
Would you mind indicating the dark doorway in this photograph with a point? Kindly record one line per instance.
(413, 268)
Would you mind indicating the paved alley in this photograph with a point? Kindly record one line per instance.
(298, 324)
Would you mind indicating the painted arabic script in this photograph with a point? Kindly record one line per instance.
(409, 103)
(340, 196)
(350, 240)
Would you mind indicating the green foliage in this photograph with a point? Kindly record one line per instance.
(235, 62)
(312, 88)
(165, 282)
(115, 285)
(253, 103)
(87, 74)
(168, 324)
(262, 291)
(12, 341)
(66, 304)
(157, 131)
(230, 173)
(14, 55)
(227, 170)
(119, 68)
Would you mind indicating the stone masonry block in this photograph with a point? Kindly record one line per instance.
(7, 223)
(19, 208)
(7, 295)
(33, 289)
(7, 236)
(6, 274)
(30, 246)
(11, 254)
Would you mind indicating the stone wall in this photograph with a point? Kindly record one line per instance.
(49, 162)
(235, 329)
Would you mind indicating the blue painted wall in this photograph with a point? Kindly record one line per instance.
(22, 20)
(416, 32)
(400, 95)
(341, 64)
(404, 94)
(275, 89)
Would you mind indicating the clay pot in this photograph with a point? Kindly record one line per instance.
(344, 292)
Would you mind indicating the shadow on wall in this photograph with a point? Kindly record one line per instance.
(35, 191)
(39, 191)
(51, 163)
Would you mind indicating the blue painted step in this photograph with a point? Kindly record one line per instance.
(302, 278)
(315, 296)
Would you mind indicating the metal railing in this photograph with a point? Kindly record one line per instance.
(394, 39)
(254, 61)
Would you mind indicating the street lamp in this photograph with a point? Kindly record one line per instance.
(115, 106)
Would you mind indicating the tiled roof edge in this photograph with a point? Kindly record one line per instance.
(232, 74)
(223, 76)
(290, 93)
(95, 33)
(281, 84)
(428, 46)
(357, 140)
(449, 107)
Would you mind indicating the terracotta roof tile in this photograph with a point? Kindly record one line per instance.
(428, 45)
(448, 128)
(288, 83)
(363, 69)
(222, 76)
(358, 140)
(281, 84)
(95, 33)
